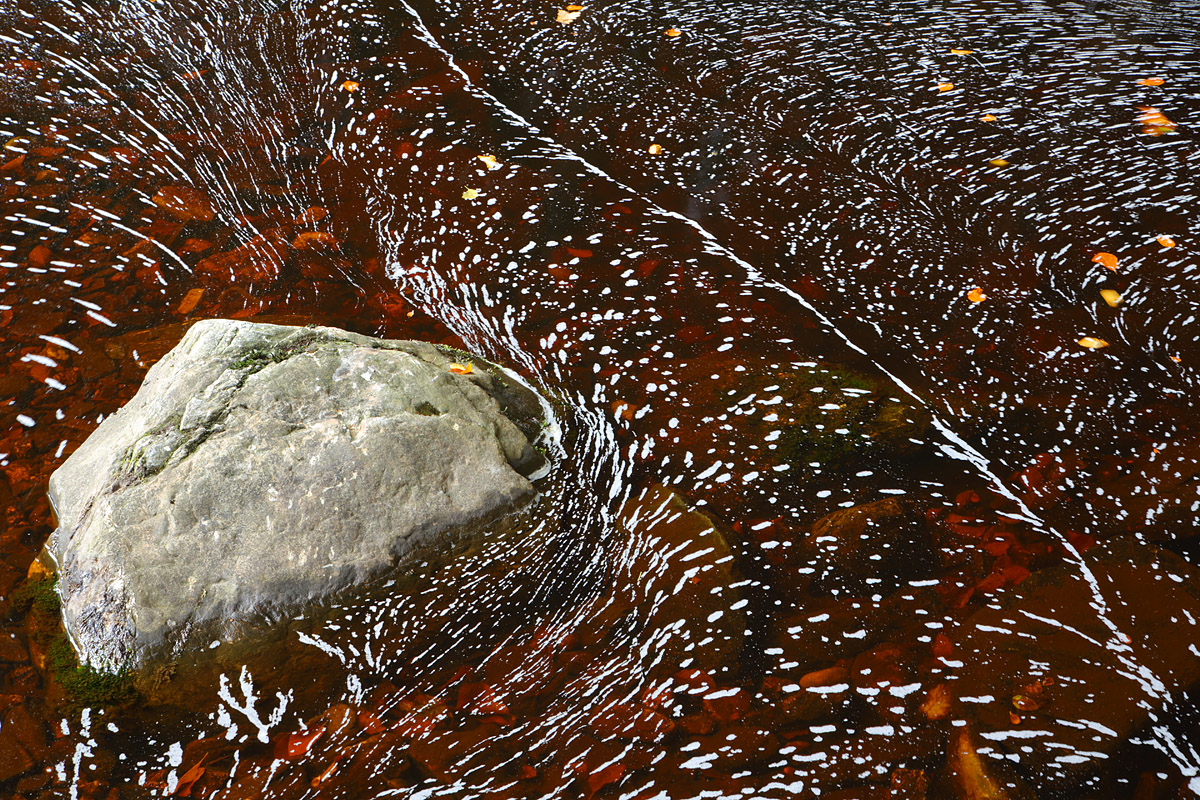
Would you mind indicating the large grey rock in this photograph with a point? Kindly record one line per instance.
(262, 466)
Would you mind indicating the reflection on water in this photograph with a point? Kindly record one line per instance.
(841, 506)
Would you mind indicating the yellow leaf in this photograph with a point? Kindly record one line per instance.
(1111, 296)
(988, 118)
(1092, 343)
(350, 86)
(945, 86)
(976, 295)
(999, 162)
(566, 17)
(937, 703)
(1166, 241)
(462, 369)
(672, 32)
(470, 194)
(490, 161)
(655, 149)
(961, 52)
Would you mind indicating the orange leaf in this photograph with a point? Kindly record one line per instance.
(1092, 343)
(1154, 122)
(184, 787)
(462, 369)
(672, 32)
(1107, 260)
(976, 295)
(1166, 241)
(988, 118)
(189, 301)
(957, 52)
(350, 86)
(1152, 81)
(655, 149)
(945, 86)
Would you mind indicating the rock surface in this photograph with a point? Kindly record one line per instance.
(262, 466)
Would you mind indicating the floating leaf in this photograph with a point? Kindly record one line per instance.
(1152, 81)
(1176, 359)
(1107, 260)
(1111, 296)
(945, 86)
(655, 149)
(566, 16)
(999, 162)
(489, 161)
(989, 118)
(470, 194)
(976, 295)
(1092, 343)
(1166, 241)
(462, 369)
(1154, 122)
(350, 86)
(672, 32)
(956, 52)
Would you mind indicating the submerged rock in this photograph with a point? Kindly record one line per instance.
(262, 466)
(1066, 669)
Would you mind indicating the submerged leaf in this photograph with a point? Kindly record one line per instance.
(655, 149)
(976, 295)
(957, 52)
(489, 161)
(566, 16)
(1166, 241)
(470, 194)
(989, 118)
(1092, 343)
(1152, 81)
(1107, 260)
(945, 86)
(1111, 296)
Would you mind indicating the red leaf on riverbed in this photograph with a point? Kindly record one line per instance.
(603, 777)
(297, 744)
(188, 780)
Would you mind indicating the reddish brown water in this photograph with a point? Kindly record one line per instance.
(803, 265)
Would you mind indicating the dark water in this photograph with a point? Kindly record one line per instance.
(791, 267)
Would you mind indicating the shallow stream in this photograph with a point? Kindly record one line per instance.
(869, 330)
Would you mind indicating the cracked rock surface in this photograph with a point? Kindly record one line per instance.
(262, 466)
